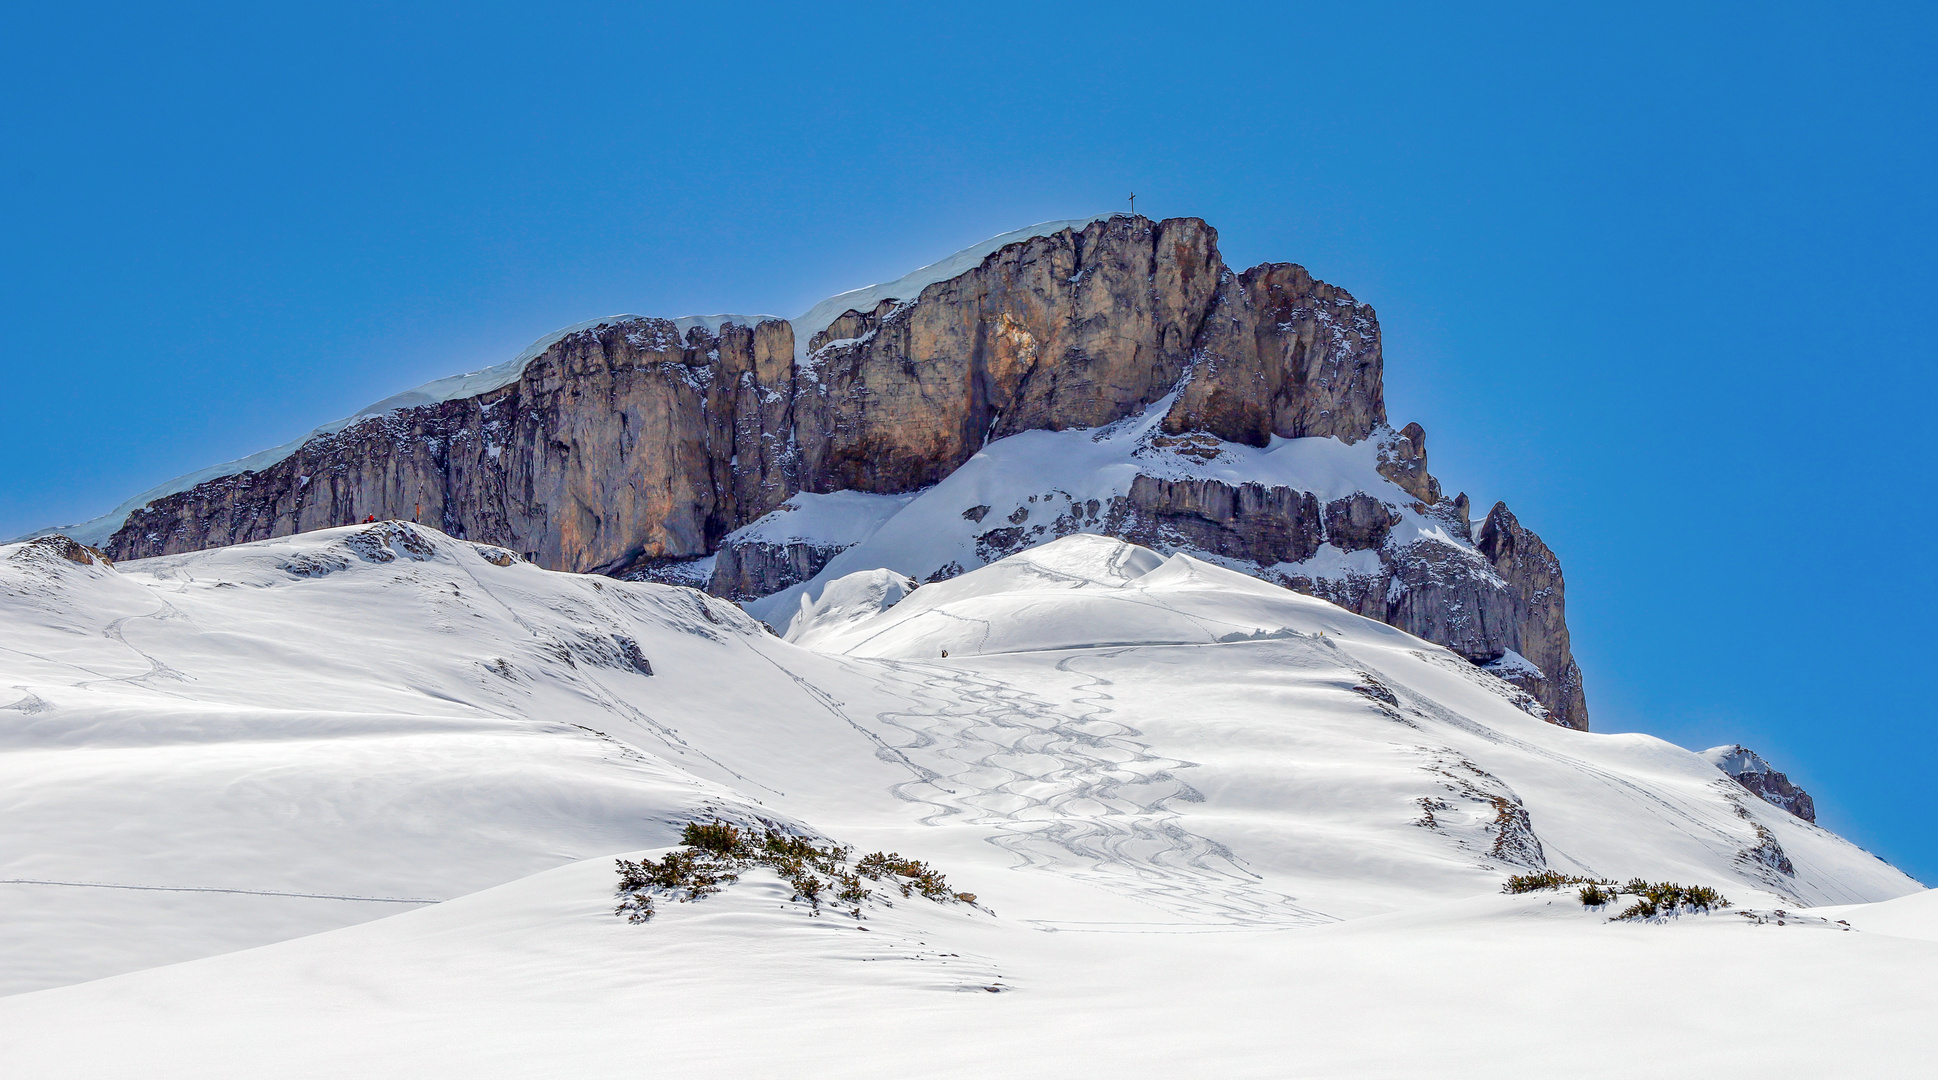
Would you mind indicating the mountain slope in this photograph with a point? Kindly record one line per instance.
(537, 979)
(383, 713)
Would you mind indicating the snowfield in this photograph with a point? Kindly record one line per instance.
(346, 803)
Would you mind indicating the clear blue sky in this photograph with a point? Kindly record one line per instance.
(1660, 277)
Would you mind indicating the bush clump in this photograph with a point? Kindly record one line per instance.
(1651, 898)
(1595, 894)
(714, 853)
(1547, 879)
(1665, 898)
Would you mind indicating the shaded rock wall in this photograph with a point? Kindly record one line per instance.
(620, 442)
(751, 570)
(1534, 622)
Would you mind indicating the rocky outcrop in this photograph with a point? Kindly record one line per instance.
(1497, 602)
(60, 547)
(1534, 623)
(621, 442)
(1403, 460)
(637, 447)
(628, 442)
(1747, 768)
(1283, 354)
(1262, 525)
(1359, 522)
(750, 570)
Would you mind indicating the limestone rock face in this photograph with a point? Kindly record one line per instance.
(1536, 625)
(618, 443)
(748, 571)
(627, 443)
(1259, 524)
(1283, 354)
(1075, 329)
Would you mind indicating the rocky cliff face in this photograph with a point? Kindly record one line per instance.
(621, 442)
(1747, 767)
(632, 447)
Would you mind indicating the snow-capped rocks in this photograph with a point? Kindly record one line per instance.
(1403, 460)
(1747, 768)
(752, 569)
(57, 546)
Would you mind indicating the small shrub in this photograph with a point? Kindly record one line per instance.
(1546, 879)
(1662, 897)
(715, 853)
(808, 887)
(916, 876)
(1651, 898)
(637, 907)
(718, 838)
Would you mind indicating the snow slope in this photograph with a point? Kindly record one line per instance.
(1212, 823)
(537, 979)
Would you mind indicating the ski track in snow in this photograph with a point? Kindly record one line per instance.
(1069, 790)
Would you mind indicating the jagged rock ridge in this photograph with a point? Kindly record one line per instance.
(1747, 767)
(630, 446)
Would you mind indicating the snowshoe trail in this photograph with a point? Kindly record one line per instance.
(1070, 789)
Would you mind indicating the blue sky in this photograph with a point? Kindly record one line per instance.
(1659, 276)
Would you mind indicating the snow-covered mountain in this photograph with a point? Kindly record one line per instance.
(224, 749)
(1077, 565)
(1238, 415)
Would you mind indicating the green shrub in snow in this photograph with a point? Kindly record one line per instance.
(1651, 898)
(716, 852)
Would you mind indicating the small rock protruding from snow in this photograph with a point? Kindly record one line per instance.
(57, 545)
(1747, 767)
(845, 602)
